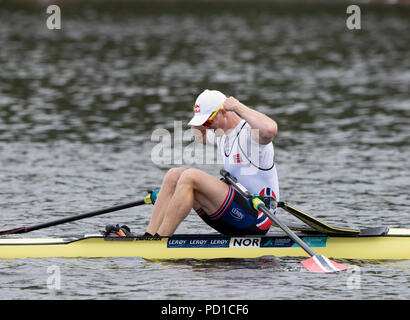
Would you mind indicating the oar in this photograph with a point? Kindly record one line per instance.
(316, 263)
(25, 229)
(317, 224)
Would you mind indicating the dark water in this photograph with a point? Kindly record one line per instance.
(78, 108)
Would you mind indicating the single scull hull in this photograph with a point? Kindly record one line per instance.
(394, 244)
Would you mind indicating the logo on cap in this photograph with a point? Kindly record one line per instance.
(196, 108)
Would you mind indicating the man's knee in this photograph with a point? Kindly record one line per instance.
(173, 175)
(189, 175)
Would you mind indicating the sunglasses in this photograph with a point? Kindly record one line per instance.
(210, 120)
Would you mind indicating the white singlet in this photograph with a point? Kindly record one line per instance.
(248, 161)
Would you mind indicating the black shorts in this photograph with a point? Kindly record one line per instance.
(236, 217)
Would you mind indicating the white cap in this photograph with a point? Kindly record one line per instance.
(207, 102)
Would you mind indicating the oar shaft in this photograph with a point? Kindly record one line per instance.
(74, 218)
(315, 263)
(289, 232)
(271, 216)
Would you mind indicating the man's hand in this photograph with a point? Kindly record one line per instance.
(264, 128)
(231, 104)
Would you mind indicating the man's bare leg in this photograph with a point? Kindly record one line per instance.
(194, 187)
(166, 192)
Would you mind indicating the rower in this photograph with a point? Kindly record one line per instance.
(245, 139)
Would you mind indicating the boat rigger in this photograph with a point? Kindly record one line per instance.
(369, 244)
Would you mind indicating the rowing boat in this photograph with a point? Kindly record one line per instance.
(369, 244)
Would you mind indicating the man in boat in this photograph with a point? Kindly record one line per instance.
(237, 131)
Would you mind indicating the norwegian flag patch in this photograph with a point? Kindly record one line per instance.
(237, 158)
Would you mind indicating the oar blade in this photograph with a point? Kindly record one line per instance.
(322, 264)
